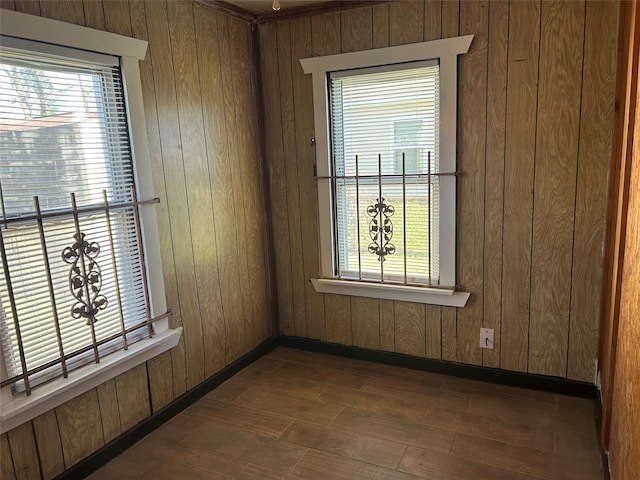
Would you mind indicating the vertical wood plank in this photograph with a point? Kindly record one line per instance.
(240, 325)
(555, 184)
(472, 105)
(410, 321)
(407, 22)
(160, 382)
(24, 452)
(93, 14)
(433, 347)
(251, 180)
(338, 315)
(6, 460)
(380, 26)
(450, 18)
(522, 94)
(133, 397)
(450, 14)
(80, 427)
(285, 76)
(326, 33)
(32, 7)
(357, 28)
(449, 334)
(596, 119)
(177, 374)
(8, 4)
(365, 318)
(269, 62)
(302, 46)
(494, 175)
(170, 143)
(71, 11)
(45, 428)
(206, 352)
(116, 17)
(432, 20)
(109, 411)
(387, 326)
(218, 159)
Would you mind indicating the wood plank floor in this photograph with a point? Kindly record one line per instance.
(301, 415)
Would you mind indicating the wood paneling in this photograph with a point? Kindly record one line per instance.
(521, 98)
(561, 44)
(199, 97)
(532, 143)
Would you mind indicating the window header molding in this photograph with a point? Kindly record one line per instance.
(46, 30)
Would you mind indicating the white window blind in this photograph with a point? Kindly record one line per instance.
(386, 196)
(63, 130)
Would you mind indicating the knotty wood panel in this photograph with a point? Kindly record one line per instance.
(406, 22)
(522, 94)
(45, 429)
(472, 126)
(494, 175)
(199, 97)
(593, 163)
(356, 31)
(555, 184)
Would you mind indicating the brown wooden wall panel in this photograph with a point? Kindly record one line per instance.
(45, 429)
(624, 444)
(557, 139)
(338, 312)
(277, 174)
(302, 46)
(6, 460)
(410, 325)
(494, 175)
(199, 92)
(510, 160)
(109, 410)
(24, 452)
(80, 428)
(593, 164)
(365, 321)
(285, 86)
(521, 98)
(472, 129)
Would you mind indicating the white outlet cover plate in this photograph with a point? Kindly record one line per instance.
(486, 338)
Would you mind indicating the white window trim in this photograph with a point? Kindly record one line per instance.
(447, 51)
(18, 409)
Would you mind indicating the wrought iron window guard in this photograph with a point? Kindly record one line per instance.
(85, 280)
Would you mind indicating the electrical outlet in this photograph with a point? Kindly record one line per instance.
(486, 338)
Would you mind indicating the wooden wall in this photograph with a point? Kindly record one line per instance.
(535, 108)
(199, 94)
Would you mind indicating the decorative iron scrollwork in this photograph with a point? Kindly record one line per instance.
(381, 229)
(85, 278)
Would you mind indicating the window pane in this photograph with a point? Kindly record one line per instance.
(387, 226)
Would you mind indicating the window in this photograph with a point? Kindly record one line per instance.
(73, 286)
(386, 164)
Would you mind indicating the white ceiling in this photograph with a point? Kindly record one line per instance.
(264, 6)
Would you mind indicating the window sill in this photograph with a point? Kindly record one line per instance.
(23, 408)
(431, 296)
